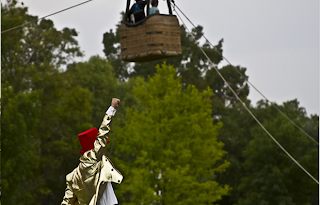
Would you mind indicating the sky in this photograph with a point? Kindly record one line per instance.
(276, 40)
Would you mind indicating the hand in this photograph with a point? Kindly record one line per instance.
(115, 103)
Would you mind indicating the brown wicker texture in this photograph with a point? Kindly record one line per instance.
(156, 38)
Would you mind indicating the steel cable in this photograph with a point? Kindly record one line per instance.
(212, 64)
(250, 82)
(44, 17)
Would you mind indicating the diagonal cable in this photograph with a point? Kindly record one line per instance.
(212, 64)
(246, 79)
(44, 17)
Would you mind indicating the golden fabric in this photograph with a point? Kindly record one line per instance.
(87, 182)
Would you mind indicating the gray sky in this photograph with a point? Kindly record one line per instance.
(276, 40)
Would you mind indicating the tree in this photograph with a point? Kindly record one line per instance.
(240, 133)
(168, 150)
(34, 50)
(236, 135)
(96, 75)
(271, 176)
(40, 108)
(21, 144)
(192, 66)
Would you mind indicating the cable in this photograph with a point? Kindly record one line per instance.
(212, 64)
(250, 83)
(44, 17)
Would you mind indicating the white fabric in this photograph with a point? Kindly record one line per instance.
(111, 111)
(108, 197)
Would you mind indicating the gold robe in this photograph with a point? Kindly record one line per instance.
(87, 182)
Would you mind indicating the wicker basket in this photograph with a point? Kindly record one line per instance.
(156, 37)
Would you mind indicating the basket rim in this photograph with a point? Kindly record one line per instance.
(128, 24)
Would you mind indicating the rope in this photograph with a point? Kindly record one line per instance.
(251, 83)
(212, 64)
(44, 17)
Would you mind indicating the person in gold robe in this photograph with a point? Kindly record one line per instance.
(90, 182)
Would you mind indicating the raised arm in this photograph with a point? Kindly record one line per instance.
(102, 138)
(104, 129)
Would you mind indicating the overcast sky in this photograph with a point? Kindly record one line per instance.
(276, 40)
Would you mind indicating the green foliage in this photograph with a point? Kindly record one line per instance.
(235, 134)
(162, 142)
(20, 143)
(41, 109)
(169, 152)
(112, 51)
(98, 77)
(192, 66)
(27, 51)
(260, 173)
(223, 97)
(258, 187)
(271, 176)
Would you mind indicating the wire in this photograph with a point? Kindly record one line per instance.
(251, 83)
(212, 64)
(44, 17)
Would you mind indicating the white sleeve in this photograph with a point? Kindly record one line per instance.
(111, 111)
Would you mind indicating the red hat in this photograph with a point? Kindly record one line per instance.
(87, 139)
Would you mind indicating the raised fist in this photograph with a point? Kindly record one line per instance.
(115, 103)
